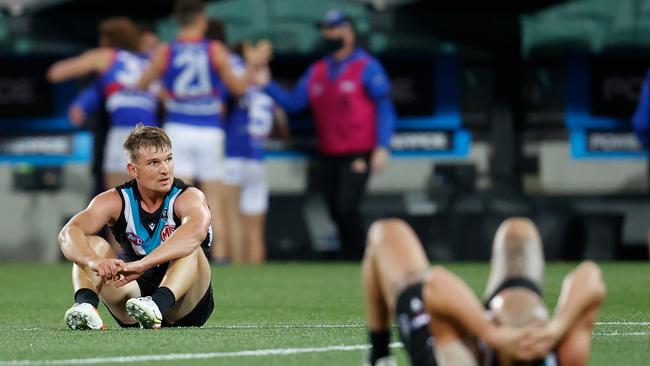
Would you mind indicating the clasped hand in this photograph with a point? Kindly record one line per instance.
(116, 271)
(531, 342)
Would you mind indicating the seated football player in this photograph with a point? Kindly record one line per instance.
(441, 321)
(163, 226)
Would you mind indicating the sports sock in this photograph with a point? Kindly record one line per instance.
(379, 345)
(164, 298)
(86, 295)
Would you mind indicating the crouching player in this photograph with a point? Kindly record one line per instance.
(441, 322)
(163, 225)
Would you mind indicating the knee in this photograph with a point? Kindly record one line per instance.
(518, 227)
(437, 280)
(591, 274)
(436, 283)
(518, 230)
(380, 230)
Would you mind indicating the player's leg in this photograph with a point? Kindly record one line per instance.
(583, 292)
(455, 312)
(183, 140)
(89, 288)
(209, 144)
(253, 206)
(231, 243)
(214, 193)
(114, 167)
(189, 280)
(115, 171)
(183, 297)
(346, 209)
(253, 237)
(393, 260)
(516, 254)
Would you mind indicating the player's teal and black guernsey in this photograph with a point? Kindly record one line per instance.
(140, 232)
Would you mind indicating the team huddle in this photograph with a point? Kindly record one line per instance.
(160, 275)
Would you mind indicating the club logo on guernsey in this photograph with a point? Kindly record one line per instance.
(134, 239)
(166, 232)
(143, 240)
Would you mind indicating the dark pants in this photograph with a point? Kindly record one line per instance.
(344, 190)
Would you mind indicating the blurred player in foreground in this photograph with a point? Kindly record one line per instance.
(163, 225)
(441, 322)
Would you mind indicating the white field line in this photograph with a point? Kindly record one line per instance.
(622, 334)
(622, 323)
(190, 356)
(318, 326)
(211, 355)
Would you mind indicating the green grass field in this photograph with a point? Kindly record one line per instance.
(283, 314)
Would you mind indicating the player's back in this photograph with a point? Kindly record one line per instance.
(249, 124)
(124, 102)
(194, 88)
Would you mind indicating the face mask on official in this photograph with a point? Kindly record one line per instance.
(331, 45)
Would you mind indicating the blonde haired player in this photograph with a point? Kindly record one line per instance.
(163, 226)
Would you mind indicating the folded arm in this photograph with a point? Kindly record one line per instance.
(102, 210)
(191, 206)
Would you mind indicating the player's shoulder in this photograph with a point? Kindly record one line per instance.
(108, 200)
(189, 195)
(162, 50)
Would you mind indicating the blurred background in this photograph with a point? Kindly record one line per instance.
(505, 108)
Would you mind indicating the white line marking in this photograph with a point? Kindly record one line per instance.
(210, 355)
(623, 334)
(312, 326)
(622, 323)
(190, 356)
(283, 326)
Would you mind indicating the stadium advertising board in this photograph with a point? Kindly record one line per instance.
(601, 95)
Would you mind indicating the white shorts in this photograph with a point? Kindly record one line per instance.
(250, 176)
(197, 151)
(115, 159)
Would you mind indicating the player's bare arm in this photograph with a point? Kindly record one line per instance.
(191, 206)
(95, 60)
(156, 66)
(449, 299)
(255, 58)
(582, 294)
(219, 54)
(103, 209)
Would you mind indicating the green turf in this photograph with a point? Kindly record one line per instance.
(283, 302)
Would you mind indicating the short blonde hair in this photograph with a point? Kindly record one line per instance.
(143, 137)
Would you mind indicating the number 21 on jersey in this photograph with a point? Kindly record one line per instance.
(194, 77)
